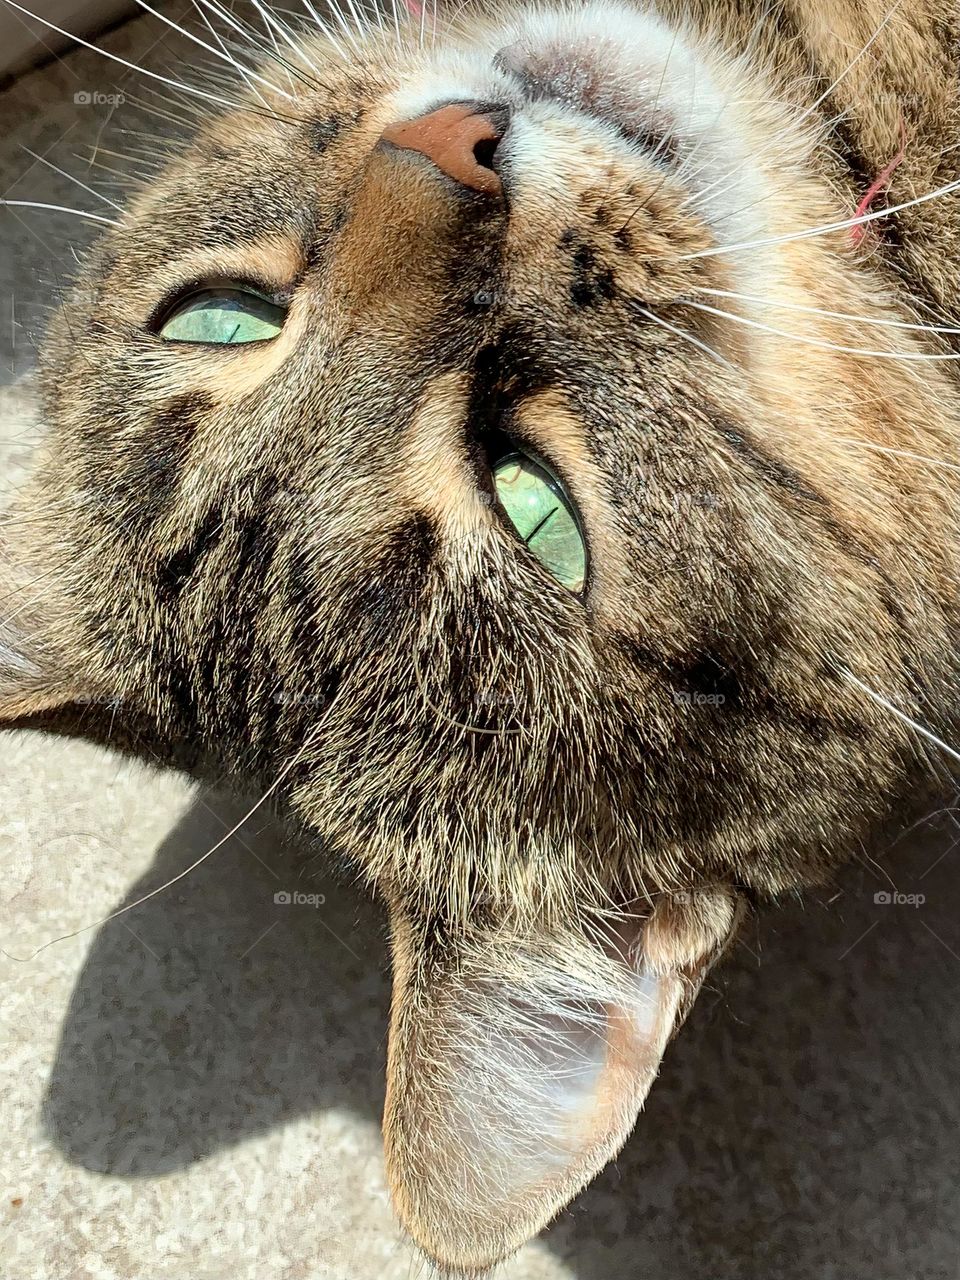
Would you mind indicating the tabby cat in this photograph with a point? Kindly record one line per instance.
(518, 442)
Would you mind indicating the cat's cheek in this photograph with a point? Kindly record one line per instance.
(232, 375)
(43, 669)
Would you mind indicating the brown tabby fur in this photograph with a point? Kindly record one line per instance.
(284, 559)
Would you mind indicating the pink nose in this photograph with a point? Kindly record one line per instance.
(460, 139)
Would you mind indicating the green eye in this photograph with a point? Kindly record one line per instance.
(543, 516)
(223, 317)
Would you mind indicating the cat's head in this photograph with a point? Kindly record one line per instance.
(420, 450)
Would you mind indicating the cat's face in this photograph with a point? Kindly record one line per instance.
(297, 560)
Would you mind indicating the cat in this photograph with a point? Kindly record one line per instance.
(519, 444)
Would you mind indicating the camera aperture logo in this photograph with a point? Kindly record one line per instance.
(294, 898)
(94, 98)
(888, 898)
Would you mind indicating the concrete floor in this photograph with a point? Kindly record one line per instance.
(193, 1088)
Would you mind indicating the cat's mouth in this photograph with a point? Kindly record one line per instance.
(580, 78)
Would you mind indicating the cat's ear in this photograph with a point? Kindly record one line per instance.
(518, 1065)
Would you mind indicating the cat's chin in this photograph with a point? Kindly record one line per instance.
(600, 76)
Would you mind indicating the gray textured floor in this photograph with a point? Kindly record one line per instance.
(193, 1089)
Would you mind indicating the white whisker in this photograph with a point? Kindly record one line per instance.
(919, 356)
(842, 225)
(396, 18)
(245, 71)
(850, 65)
(195, 115)
(112, 57)
(254, 40)
(218, 53)
(737, 174)
(682, 333)
(833, 315)
(806, 113)
(358, 19)
(296, 46)
(70, 178)
(162, 140)
(663, 141)
(345, 26)
(179, 122)
(130, 180)
(59, 208)
(325, 30)
(378, 15)
(901, 715)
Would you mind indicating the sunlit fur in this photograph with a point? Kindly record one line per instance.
(248, 554)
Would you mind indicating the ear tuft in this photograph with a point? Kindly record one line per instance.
(686, 928)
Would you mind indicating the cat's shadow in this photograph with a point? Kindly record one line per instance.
(216, 1010)
(804, 1124)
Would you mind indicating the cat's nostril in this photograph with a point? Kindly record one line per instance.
(484, 152)
(460, 139)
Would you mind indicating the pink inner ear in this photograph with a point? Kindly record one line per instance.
(414, 7)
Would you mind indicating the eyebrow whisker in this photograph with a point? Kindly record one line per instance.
(113, 57)
(70, 178)
(60, 208)
(219, 53)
